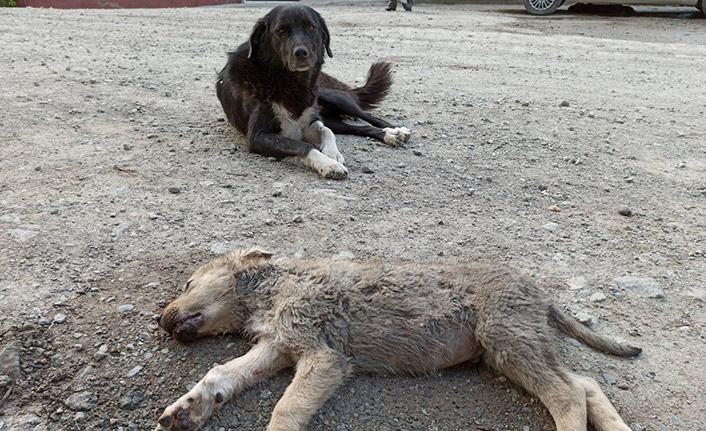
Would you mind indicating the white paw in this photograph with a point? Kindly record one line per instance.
(332, 153)
(396, 136)
(189, 412)
(326, 166)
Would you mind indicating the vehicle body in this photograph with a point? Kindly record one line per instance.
(546, 7)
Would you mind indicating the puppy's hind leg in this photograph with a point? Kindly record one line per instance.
(601, 412)
(318, 375)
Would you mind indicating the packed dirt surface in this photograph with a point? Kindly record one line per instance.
(571, 146)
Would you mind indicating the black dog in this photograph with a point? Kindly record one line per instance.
(273, 91)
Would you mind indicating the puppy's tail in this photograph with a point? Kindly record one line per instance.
(376, 87)
(574, 328)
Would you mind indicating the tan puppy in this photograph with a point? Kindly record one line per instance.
(332, 318)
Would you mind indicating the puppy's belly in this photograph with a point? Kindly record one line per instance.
(461, 346)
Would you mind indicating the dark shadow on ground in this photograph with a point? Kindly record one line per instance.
(617, 10)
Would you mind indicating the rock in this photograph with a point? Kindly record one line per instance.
(126, 308)
(81, 401)
(132, 400)
(367, 170)
(564, 103)
(10, 361)
(220, 248)
(59, 318)
(576, 283)
(152, 284)
(624, 210)
(298, 219)
(697, 293)
(134, 371)
(597, 297)
(646, 287)
(5, 381)
(551, 226)
(22, 235)
(586, 319)
(610, 379)
(174, 190)
(416, 152)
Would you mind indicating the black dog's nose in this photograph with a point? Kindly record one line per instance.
(301, 51)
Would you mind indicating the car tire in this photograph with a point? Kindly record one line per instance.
(543, 7)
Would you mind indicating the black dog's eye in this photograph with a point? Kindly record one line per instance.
(310, 27)
(281, 30)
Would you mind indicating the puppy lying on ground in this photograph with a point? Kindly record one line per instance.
(272, 90)
(330, 319)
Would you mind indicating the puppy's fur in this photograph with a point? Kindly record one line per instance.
(332, 318)
(273, 91)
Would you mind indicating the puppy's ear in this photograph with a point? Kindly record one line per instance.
(255, 253)
(257, 37)
(327, 37)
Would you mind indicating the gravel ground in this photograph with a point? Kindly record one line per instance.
(572, 146)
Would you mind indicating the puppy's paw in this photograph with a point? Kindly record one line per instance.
(189, 412)
(326, 166)
(332, 153)
(397, 136)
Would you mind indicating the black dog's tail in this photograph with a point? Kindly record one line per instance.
(572, 327)
(376, 87)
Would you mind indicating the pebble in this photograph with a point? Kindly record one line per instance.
(125, 308)
(132, 400)
(10, 361)
(646, 287)
(367, 170)
(576, 283)
(81, 401)
(174, 190)
(624, 210)
(416, 152)
(551, 226)
(586, 319)
(219, 248)
(610, 379)
(298, 219)
(80, 416)
(59, 318)
(134, 371)
(697, 293)
(564, 103)
(23, 235)
(597, 297)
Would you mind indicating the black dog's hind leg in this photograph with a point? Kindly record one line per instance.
(336, 105)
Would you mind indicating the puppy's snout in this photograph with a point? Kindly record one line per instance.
(301, 52)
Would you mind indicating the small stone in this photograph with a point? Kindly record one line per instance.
(610, 379)
(134, 371)
(152, 284)
(624, 210)
(597, 297)
(367, 170)
(132, 400)
(298, 219)
(564, 103)
(59, 318)
(551, 226)
(23, 235)
(586, 319)
(10, 361)
(37, 168)
(416, 152)
(81, 401)
(54, 211)
(127, 147)
(152, 136)
(646, 287)
(80, 416)
(174, 190)
(125, 308)
(144, 336)
(554, 208)
(576, 283)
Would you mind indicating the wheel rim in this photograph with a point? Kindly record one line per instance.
(541, 4)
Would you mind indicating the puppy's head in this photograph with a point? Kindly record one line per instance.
(212, 301)
(295, 36)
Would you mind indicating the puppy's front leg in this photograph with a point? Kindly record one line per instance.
(220, 384)
(323, 137)
(317, 377)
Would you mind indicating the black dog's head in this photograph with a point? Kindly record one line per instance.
(296, 36)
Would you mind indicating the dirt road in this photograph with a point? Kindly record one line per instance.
(571, 146)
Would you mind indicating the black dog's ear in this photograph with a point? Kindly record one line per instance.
(257, 36)
(327, 37)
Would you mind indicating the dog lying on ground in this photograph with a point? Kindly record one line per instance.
(330, 319)
(273, 91)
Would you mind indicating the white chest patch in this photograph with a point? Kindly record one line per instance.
(292, 127)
